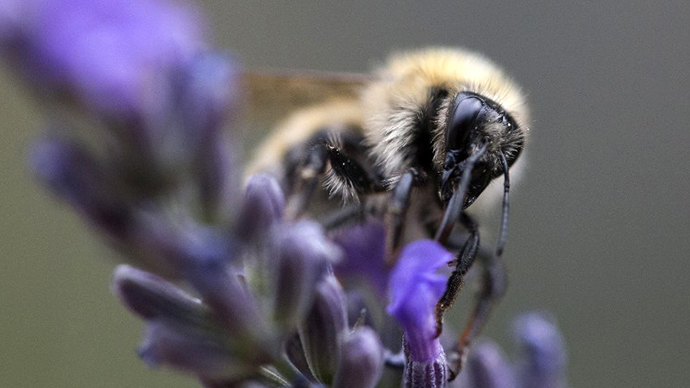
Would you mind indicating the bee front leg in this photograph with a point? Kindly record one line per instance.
(492, 287)
(463, 263)
(396, 211)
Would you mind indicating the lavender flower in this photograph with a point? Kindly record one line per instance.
(414, 290)
(230, 291)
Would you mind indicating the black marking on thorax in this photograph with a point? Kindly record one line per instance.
(423, 136)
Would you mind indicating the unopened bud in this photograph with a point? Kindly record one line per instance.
(322, 329)
(486, 368)
(77, 177)
(542, 349)
(152, 297)
(200, 352)
(361, 361)
(302, 256)
(263, 205)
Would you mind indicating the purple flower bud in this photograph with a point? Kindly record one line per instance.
(414, 289)
(364, 248)
(152, 297)
(112, 55)
(181, 331)
(302, 257)
(73, 174)
(191, 139)
(486, 368)
(205, 258)
(323, 328)
(361, 362)
(543, 357)
(200, 352)
(209, 92)
(295, 353)
(154, 244)
(217, 179)
(263, 205)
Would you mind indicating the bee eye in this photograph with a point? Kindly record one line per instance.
(463, 121)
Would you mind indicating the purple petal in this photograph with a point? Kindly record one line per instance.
(414, 289)
(542, 349)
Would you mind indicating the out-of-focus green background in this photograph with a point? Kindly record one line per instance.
(599, 227)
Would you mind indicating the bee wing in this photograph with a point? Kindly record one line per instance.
(272, 95)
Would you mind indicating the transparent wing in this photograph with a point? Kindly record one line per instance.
(271, 95)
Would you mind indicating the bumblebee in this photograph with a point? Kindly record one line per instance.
(415, 143)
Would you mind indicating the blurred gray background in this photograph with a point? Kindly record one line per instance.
(599, 226)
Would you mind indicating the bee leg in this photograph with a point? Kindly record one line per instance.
(350, 172)
(307, 180)
(396, 211)
(463, 263)
(344, 216)
(343, 151)
(492, 286)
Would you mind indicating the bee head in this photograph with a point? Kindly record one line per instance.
(480, 134)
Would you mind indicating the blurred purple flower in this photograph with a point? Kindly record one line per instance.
(10, 16)
(113, 55)
(364, 247)
(540, 362)
(542, 348)
(487, 368)
(71, 172)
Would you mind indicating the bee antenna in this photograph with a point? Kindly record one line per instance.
(506, 206)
